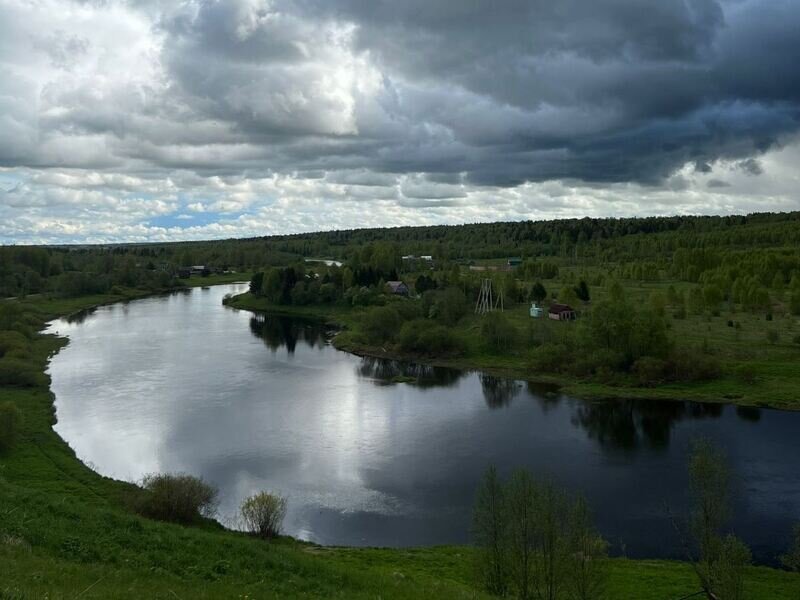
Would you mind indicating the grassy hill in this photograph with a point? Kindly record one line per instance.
(67, 532)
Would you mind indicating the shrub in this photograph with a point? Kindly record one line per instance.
(380, 324)
(600, 361)
(551, 358)
(19, 353)
(696, 366)
(11, 341)
(262, 514)
(255, 283)
(791, 560)
(9, 425)
(178, 497)
(17, 372)
(650, 370)
(424, 337)
(746, 374)
(498, 332)
(447, 306)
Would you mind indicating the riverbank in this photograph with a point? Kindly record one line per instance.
(65, 531)
(774, 381)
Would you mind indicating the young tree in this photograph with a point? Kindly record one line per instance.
(582, 291)
(658, 303)
(721, 559)
(271, 286)
(696, 300)
(424, 283)
(712, 297)
(520, 501)
(791, 560)
(728, 572)
(672, 296)
(538, 292)
(498, 332)
(262, 514)
(489, 526)
(794, 302)
(551, 542)
(450, 305)
(588, 556)
(567, 295)
(709, 486)
(380, 324)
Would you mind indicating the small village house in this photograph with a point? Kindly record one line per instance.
(562, 312)
(398, 288)
(536, 311)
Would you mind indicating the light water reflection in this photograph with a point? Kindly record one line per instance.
(378, 452)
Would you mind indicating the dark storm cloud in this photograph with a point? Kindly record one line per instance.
(467, 92)
(609, 90)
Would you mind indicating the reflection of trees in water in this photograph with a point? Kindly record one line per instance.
(80, 316)
(385, 370)
(498, 391)
(546, 394)
(748, 413)
(279, 331)
(631, 424)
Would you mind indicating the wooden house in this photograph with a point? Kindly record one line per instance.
(562, 312)
(397, 287)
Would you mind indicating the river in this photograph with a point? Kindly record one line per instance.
(380, 453)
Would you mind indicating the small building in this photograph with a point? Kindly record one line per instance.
(562, 312)
(536, 311)
(514, 261)
(490, 268)
(199, 270)
(184, 273)
(398, 288)
(423, 258)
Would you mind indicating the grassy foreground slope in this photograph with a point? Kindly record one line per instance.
(65, 532)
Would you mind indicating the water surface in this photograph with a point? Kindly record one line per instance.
(182, 383)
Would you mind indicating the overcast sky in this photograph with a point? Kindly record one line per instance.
(146, 120)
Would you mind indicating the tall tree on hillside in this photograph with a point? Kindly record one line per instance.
(582, 291)
(721, 559)
(489, 525)
(538, 292)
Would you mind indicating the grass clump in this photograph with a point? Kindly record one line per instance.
(177, 497)
(9, 425)
(263, 513)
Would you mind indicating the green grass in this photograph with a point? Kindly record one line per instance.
(65, 532)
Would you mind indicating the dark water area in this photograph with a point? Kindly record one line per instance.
(381, 453)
